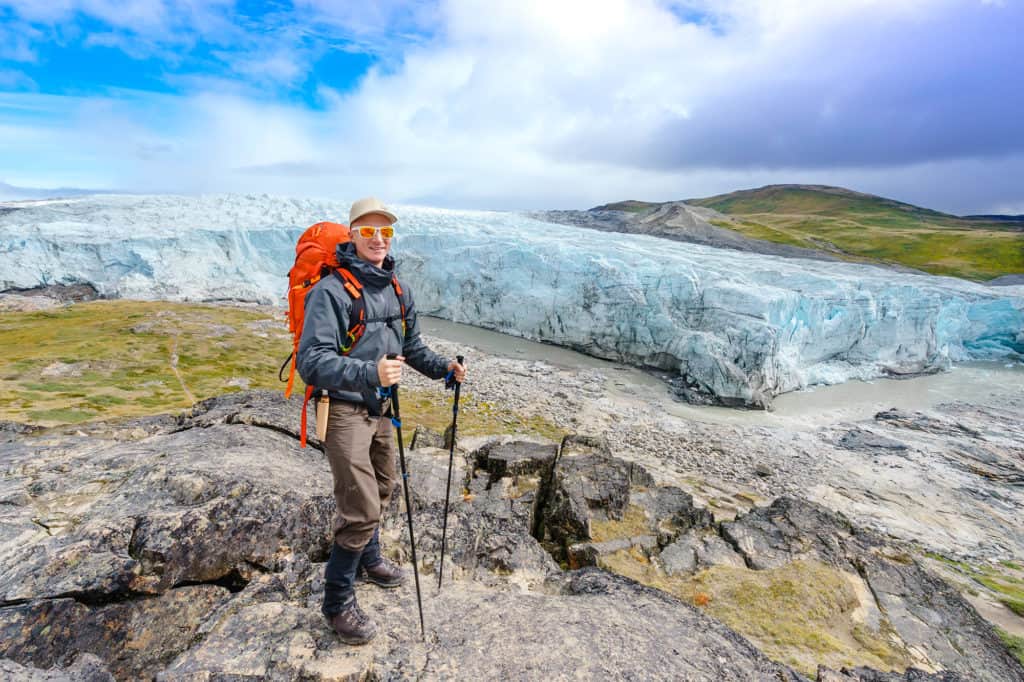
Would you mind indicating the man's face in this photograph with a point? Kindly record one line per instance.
(374, 249)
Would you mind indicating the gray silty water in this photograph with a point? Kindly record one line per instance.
(975, 382)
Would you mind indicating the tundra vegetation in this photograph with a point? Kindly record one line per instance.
(862, 227)
(123, 358)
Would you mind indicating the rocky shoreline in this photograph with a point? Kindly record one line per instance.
(188, 548)
(964, 462)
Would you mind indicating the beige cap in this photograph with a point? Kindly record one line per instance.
(367, 206)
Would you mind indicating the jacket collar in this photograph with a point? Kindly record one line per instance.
(367, 273)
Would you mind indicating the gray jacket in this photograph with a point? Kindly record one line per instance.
(354, 377)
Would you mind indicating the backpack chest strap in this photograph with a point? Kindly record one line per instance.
(357, 316)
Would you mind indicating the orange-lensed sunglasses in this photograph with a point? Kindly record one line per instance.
(368, 232)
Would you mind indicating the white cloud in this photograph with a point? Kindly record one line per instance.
(538, 104)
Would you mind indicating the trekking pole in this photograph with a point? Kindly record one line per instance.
(451, 458)
(397, 421)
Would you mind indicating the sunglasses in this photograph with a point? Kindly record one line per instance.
(367, 232)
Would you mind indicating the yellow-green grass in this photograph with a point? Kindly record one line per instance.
(633, 523)
(124, 352)
(803, 614)
(1004, 580)
(1014, 643)
(863, 227)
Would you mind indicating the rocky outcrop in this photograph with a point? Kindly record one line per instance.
(682, 222)
(86, 668)
(862, 674)
(190, 548)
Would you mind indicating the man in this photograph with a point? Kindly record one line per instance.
(360, 443)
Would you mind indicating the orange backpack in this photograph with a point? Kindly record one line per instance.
(315, 258)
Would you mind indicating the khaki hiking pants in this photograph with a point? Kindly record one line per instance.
(361, 452)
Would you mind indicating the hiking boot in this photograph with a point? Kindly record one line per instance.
(339, 579)
(352, 625)
(385, 574)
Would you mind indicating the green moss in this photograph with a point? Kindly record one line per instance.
(1015, 605)
(101, 401)
(1014, 643)
(61, 416)
(959, 565)
(1007, 588)
(47, 386)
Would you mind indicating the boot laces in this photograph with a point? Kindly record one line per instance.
(359, 615)
(355, 615)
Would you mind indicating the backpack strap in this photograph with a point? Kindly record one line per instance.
(305, 404)
(357, 326)
(401, 301)
(357, 316)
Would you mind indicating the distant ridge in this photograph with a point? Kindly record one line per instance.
(631, 205)
(820, 199)
(997, 217)
(859, 226)
(15, 193)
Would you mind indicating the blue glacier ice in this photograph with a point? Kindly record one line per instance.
(736, 328)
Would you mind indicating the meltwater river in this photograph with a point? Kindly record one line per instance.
(981, 383)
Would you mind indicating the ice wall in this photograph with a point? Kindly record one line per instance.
(736, 328)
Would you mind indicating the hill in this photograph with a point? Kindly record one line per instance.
(863, 226)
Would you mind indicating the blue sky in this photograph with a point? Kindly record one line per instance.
(524, 104)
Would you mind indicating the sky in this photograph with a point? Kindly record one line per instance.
(520, 104)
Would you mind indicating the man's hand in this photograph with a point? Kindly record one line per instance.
(389, 371)
(460, 371)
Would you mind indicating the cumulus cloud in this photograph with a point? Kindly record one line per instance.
(539, 104)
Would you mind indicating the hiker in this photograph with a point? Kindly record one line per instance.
(359, 441)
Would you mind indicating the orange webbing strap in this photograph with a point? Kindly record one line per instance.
(349, 281)
(291, 373)
(307, 283)
(305, 403)
(356, 332)
(401, 303)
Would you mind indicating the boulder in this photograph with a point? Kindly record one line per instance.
(860, 439)
(792, 529)
(671, 511)
(517, 458)
(426, 437)
(584, 485)
(696, 550)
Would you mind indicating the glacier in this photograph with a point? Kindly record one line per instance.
(731, 328)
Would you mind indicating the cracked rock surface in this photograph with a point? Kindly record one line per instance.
(191, 548)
